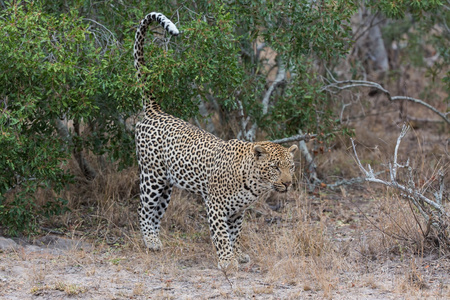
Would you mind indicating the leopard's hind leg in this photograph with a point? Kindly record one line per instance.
(155, 197)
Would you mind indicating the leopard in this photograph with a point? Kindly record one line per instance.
(228, 175)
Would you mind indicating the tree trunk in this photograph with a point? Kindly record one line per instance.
(87, 170)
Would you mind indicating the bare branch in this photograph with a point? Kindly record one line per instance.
(279, 79)
(103, 26)
(404, 131)
(358, 161)
(102, 35)
(281, 76)
(440, 194)
(310, 164)
(336, 86)
(350, 181)
(243, 121)
(418, 206)
(418, 101)
(296, 138)
(409, 191)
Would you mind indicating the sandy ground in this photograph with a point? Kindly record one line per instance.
(61, 268)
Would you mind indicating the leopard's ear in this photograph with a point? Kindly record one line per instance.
(293, 149)
(260, 151)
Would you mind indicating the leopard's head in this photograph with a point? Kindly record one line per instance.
(275, 165)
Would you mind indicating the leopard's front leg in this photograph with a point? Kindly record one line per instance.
(218, 226)
(234, 230)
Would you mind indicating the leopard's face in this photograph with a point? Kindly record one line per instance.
(275, 166)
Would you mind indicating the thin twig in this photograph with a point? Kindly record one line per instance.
(226, 277)
(392, 235)
(101, 25)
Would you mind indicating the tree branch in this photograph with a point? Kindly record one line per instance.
(336, 86)
(242, 121)
(350, 181)
(296, 138)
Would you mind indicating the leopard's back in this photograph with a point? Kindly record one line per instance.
(182, 153)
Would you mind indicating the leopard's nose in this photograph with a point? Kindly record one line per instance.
(287, 184)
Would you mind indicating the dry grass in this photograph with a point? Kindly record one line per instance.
(103, 208)
(106, 210)
(295, 250)
(69, 289)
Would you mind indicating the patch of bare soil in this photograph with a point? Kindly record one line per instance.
(348, 263)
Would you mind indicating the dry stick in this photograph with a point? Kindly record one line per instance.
(418, 206)
(350, 181)
(296, 138)
(52, 231)
(337, 86)
(371, 24)
(399, 226)
(311, 165)
(228, 279)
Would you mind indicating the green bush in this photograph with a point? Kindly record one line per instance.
(52, 68)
